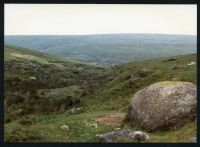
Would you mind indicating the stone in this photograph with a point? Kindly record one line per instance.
(193, 139)
(117, 128)
(191, 63)
(124, 134)
(65, 127)
(74, 110)
(164, 105)
(139, 136)
(18, 112)
(32, 78)
(174, 79)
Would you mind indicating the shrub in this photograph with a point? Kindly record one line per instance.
(14, 100)
(27, 121)
(18, 134)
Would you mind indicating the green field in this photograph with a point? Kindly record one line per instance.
(102, 93)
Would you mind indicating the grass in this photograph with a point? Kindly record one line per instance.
(117, 93)
(12, 52)
(80, 132)
(106, 91)
(61, 83)
(46, 124)
(180, 135)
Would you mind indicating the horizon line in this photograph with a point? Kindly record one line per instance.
(96, 34)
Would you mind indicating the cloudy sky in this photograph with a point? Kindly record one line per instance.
(77, 19)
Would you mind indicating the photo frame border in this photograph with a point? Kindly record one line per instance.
(2, 3)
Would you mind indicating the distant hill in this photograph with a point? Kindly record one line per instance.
(15, 52)
(108, 49)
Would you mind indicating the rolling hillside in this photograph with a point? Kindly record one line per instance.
(15, 52)
(30, 74)
(46, 87)
(108, 49)
(126, 79)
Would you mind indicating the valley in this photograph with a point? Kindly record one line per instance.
(45, 91)
(108, 49)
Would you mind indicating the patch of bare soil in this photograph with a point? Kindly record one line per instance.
(113, 118)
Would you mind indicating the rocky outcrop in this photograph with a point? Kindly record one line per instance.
(164, 105)
(125, 134)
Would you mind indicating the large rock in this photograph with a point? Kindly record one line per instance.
(125, 134)
(164, 105)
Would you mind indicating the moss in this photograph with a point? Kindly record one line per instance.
(166, 83)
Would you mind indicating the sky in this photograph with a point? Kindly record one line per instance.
(84, 19)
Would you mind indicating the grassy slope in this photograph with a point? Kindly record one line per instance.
(28, 56)
(113, 97)
(126, 79)
(12, 52)
(57, 78)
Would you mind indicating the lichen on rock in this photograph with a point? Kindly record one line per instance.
(164, 105)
